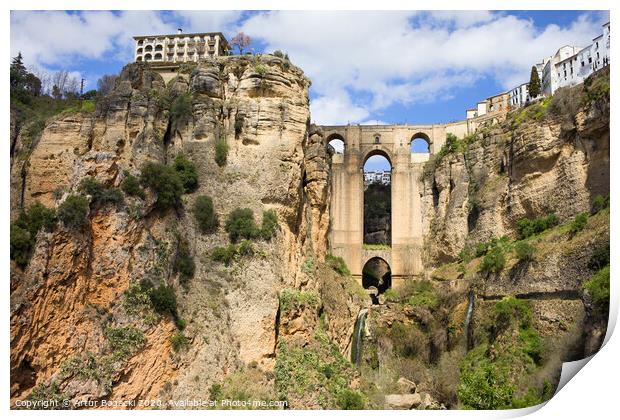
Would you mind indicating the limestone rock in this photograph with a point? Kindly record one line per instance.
(406, 386)
(402, 401)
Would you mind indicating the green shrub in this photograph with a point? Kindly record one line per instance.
(529, 227)
(245, 248)
(596, 88)
(511, 309)
(37, 217)
(531, 344)
(125, 341)
(99, 193)
(165, 182)
(598, 289)
(228, 253)
(179, 342)
(579, 223)
(180, 323)
(188, 173)
(163, 300)
(48, 397)
(484, 385)
(278, 53)
(269, 224)
(184, 262)
(224, 254)
(221, 151)
(24, 231)
(205, 214)
(494, 261)
(21, 245)
(524, 251)
(422, 293)
(131, 185)
(181, 108)
(73, 212)
(291, 299)
(337, 264)
(348, 399)
(240, 224)
(391, 295)
(599, 258)
(600, 202)
(137, 297)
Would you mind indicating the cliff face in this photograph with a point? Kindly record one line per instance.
(524, 167)
(65, 302)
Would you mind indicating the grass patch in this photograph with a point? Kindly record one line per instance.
(337, 264)
(292, 299)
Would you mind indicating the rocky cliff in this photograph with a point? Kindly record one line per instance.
(78, 292)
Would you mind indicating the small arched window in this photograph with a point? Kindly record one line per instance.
(377, 139)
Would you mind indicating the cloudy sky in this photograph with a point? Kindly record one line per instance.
(366, 67)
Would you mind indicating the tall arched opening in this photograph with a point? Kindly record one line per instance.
(377, 200)
(420, 143)
(335, 144)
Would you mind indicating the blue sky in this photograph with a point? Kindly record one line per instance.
(366, 67)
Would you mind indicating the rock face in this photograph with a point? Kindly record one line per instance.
(555, 164)
(65, 301)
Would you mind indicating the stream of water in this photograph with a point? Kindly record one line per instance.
(358, 335)
(468, 315)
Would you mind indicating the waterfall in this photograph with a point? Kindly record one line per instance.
(469, 337)
(358, 331)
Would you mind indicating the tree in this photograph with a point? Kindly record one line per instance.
(242, 41)
(534, 86)
(106, 83)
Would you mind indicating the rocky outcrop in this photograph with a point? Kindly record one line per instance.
(275, 160)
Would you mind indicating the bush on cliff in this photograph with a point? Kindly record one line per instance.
(165, 182)
(24, 231)
(337, 264)
(240, 223)
(598, 289)
(100, 195)
(164, 300)
(73, 212)
(131, 185)
(181, 108)
(600, 202)
(205, 214)
(579, 223)
(221, 151)
(269, 224)
(494, 261)
(524, 251)
(184, 262)
(188, 173)
(529, 227)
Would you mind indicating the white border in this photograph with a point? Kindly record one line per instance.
(592, 393)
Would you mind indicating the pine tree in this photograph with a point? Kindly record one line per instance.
(534, 87)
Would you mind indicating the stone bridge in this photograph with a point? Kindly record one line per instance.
(347, 185)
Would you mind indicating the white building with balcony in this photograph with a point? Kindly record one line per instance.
(179, 47)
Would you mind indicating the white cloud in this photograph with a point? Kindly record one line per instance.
(402, 57)
(336, 108)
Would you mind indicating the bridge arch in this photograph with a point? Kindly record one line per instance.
(377, 273)
(376, 150)
(336, 142)
(420, 142)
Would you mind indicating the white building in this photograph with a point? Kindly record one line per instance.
(570, 66)
(559, 69)
(377, 177)
(180, 47)
(519, 96)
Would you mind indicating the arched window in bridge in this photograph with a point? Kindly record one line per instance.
(377, 200)
(378, 275)
(420, 143)
(377, 139)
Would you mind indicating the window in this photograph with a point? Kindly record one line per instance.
(377, 140)
(589, 60)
